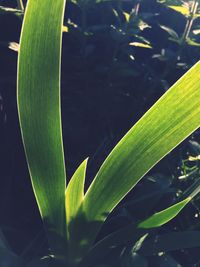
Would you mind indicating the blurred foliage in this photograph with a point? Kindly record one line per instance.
(119, 56)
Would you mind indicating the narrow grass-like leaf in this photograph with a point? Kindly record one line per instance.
(75, 192)
(181, 9)
(39, 108)
(164, 216)
(174, 117)
(171, 242)
(9, 10)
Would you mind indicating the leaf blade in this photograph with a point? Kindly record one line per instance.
(38, 97)
(75, 192)
(164, 216)
(163, 127)
(171, 242)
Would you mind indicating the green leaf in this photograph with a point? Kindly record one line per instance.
(138, 44)
(13, 46)
(74, 199)
(181, 9)
(127, 16)
(38, 96)
(65, 28)
(170, 31)
(75, 192)
(174, 117)
(164, 216)
(191, 42)
(127, 235)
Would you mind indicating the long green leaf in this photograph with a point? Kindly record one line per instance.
(164, 216)
(174, 117)
(39, 108)
(75, 192)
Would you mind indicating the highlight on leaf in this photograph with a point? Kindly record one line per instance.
(138, 44)
(164, 216)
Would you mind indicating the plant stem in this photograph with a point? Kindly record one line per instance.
(20, 5)
(190, 21)
(136, 9)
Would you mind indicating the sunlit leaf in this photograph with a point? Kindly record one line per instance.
(163, 216)
(196, 31)
(39, 111)
(138, 44)
(163, 127)
(127, 16)
(196, 16)
(65, 29)
(142, 25)
(181, 9)
(14, 46)
(75, 192)
(191, 42)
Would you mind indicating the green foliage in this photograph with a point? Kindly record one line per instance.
(164, 216)
(122, 59)
(163, 127)
(47, 169)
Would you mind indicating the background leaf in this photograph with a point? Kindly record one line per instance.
(181, 9)
(171, 242)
